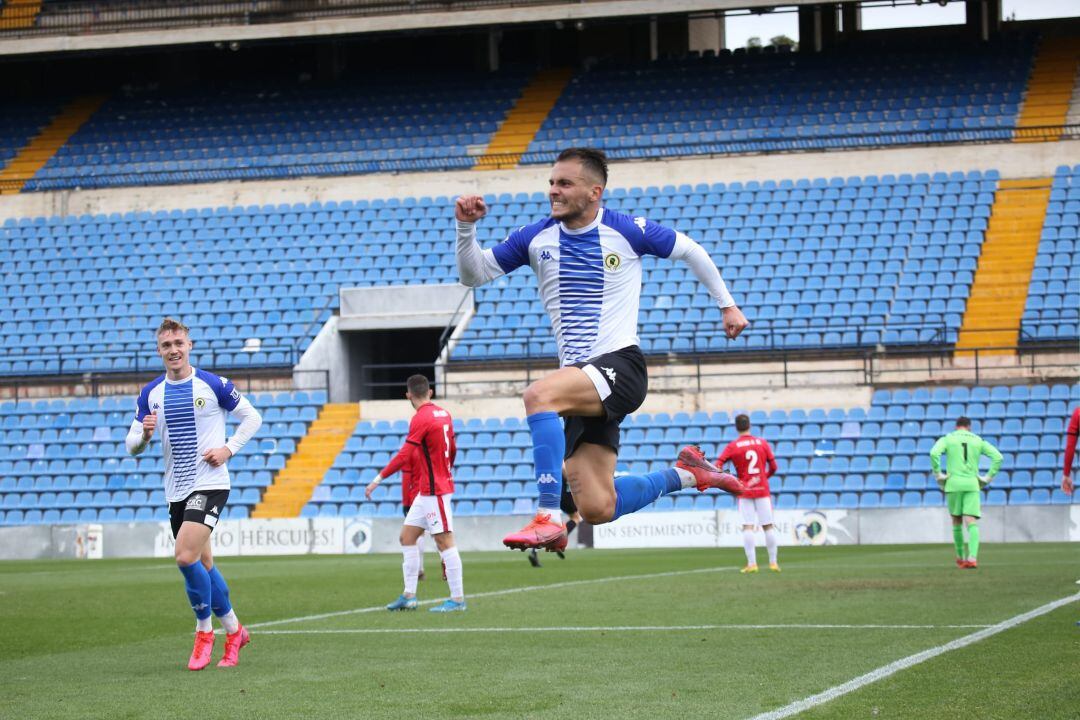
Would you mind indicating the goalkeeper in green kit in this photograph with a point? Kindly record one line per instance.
(962, 484)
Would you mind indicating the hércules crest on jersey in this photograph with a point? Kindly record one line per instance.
(612, 262)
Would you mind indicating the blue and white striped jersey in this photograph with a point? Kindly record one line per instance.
(191, 420)
(589, 279)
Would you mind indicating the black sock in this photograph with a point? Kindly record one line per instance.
(570, 525)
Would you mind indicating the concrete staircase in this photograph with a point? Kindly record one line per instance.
(1050, 89)
(43, 146)
(19, 14)
(294, 484)
(1000, 287)
(524, 120)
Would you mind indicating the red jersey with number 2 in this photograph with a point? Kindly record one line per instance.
(431, 437)
(752, 458)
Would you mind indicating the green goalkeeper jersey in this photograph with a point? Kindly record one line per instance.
(962, 450)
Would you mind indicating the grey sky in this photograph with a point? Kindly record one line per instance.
(740, 28)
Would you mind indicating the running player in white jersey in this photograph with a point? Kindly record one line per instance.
(189, 407)
(587, 261)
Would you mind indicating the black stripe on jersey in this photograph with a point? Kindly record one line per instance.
(430, 467)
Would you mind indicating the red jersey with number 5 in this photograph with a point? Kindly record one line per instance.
(431, 437)
(752, 458)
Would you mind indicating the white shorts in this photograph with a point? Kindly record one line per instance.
(431, 512)
(756, 511)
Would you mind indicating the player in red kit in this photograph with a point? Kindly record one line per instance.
(431, 438)
(754, 464)
(1070, 451)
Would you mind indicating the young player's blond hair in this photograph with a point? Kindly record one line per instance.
(170, 325)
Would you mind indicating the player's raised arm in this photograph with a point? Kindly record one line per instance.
(701, 264)
(474, 263)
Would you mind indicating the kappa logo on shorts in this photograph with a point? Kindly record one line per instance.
(610, 372)
(196, 502)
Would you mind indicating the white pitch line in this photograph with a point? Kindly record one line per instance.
(910, 661)
(609, 628)
(494, 593)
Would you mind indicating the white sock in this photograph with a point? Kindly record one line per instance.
(229, 622)
(748, 546)
(452, 560)
(687, 478)
(420, 548)
(204, 624)
(410, 567)
(770, 542)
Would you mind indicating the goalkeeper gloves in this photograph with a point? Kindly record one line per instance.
(941, 478)
(984, 480)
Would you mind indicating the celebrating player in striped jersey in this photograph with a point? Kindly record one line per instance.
(587, 260)
(189, 407)
(431, 438)
(754, 464)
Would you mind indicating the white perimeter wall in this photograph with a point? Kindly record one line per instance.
(1011, 160)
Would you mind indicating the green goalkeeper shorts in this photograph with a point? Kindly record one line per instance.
(967, 502)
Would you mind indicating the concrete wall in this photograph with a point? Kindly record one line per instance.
(327, 351)
(1011, 160)
(401, 306)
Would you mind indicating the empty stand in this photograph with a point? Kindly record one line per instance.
(395, 122)
(735, 103)
(867, 253)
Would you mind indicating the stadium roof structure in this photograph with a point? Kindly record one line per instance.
(69, 27)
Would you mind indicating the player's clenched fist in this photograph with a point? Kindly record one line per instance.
(149, 425)
(734, 322)
(470, 208)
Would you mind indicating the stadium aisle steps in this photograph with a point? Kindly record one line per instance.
(314, 455)
(524, 119)
(1050, 87)
(41, 149)
(1073, 115)
(18, 14)
(1001, 282)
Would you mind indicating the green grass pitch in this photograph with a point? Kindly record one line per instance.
(634, 634)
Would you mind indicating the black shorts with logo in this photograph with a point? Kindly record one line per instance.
(622, 381)
(201, 506)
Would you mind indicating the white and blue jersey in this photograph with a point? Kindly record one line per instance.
(191, 419)
(589, 278)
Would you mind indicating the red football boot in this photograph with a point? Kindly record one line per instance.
(542, 532)
(971, 564)
(707, 475)
(233, 643)
(200, 654)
